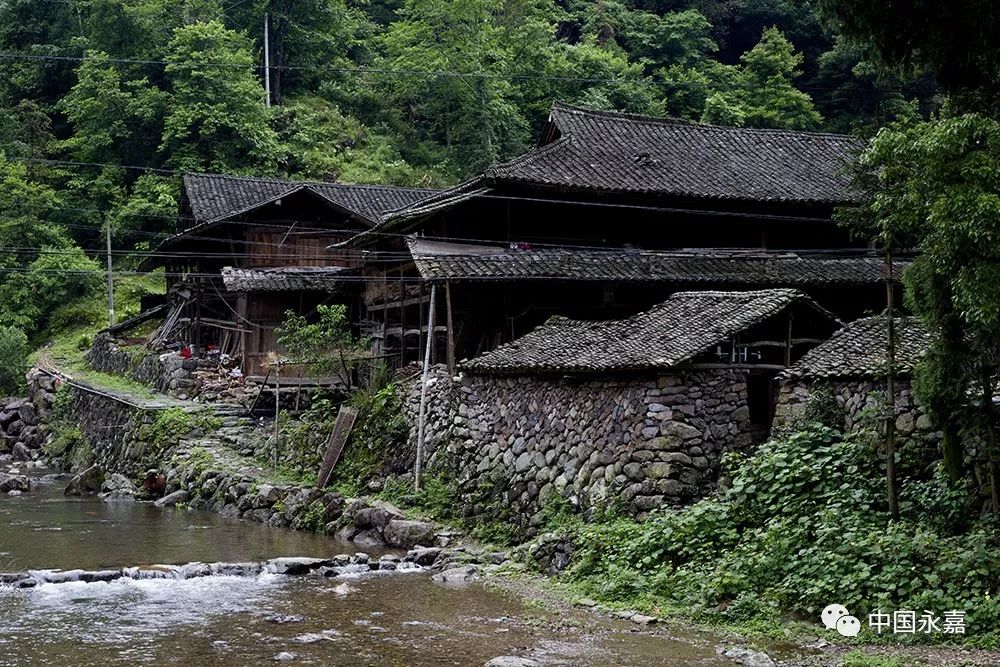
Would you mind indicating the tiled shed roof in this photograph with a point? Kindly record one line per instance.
(624, 153)
(682, 327)
(282, 279)
(859, 350)
(488, 263)
(214, 197)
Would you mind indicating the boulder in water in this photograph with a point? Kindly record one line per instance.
(118, 487)
(175, 498)
(458, 575)
(9, 482)
(408, 534)
(86, 483)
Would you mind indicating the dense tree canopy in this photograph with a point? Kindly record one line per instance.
(104, 102)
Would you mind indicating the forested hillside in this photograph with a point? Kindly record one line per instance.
(105, 101)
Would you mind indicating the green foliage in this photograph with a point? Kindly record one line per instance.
(437, 498)
(803, 524)
(167, 428)
(823, 408)
(13, 359)
(761, 93)
(956, 41)
(314, 516)
(56, 277)
(324, 344)
(216, 119)
(933, 185)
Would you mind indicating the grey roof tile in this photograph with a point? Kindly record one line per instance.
(614, 152)
(470, 262)
(214, 197)
(859, 350)
(283, 279)
(682, 327)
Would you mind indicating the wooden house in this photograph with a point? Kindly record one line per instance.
(249, 249)
(609, 215)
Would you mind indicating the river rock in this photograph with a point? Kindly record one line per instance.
(21, 452)
(458, 575)
(86, 483)
(296, 566)
(118, 487)
(369, 538)
(169, 500)
(511, 661)
(284, 656)
(424, 557)
(405, 534)
(10, 483)
(748, 657)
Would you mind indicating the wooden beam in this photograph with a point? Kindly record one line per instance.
(335, 445)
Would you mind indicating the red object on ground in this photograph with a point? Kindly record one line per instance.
(185, 352)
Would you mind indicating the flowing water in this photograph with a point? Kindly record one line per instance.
(372, 619)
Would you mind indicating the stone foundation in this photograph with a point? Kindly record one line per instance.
(516, 443)
(861, 403)
(168, 373)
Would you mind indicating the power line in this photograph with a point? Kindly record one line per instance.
(431, 74)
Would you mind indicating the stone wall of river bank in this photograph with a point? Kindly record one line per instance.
(516, 443)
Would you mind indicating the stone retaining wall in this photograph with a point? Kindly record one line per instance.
(168, 373)
(515, 443)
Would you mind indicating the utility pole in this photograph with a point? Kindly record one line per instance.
(267, 60)
(111, 281)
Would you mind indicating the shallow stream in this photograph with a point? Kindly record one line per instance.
(371, 619)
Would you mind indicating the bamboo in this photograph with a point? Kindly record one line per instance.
(451, 328)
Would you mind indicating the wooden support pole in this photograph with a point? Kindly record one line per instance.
(422, 422)
(451, 328)
(277, 408)
(890, 388)
(788, 340)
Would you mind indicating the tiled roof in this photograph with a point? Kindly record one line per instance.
(215, 197)
(283, 279)
(677, 330)
(614, 152)
(485, 263)
(859, 350)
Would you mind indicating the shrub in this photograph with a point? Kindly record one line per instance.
(804, 524)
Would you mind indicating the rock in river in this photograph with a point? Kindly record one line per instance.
(10, 482)
(172, 499)
(408, 534)
(86, 483)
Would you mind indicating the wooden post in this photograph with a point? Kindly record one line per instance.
(788, 340)
(277, 409)
(451, 328)
(422, 422)
(890, 388)
(402, 320)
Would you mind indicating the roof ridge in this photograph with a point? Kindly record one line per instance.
(301, 183)
(673, 120)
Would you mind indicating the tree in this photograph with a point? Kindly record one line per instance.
(958, 40)
(325, 345)
(933, 186)
(59, 276)
(13, 359)
(761, 93)
(216, 120)
(115, 119)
